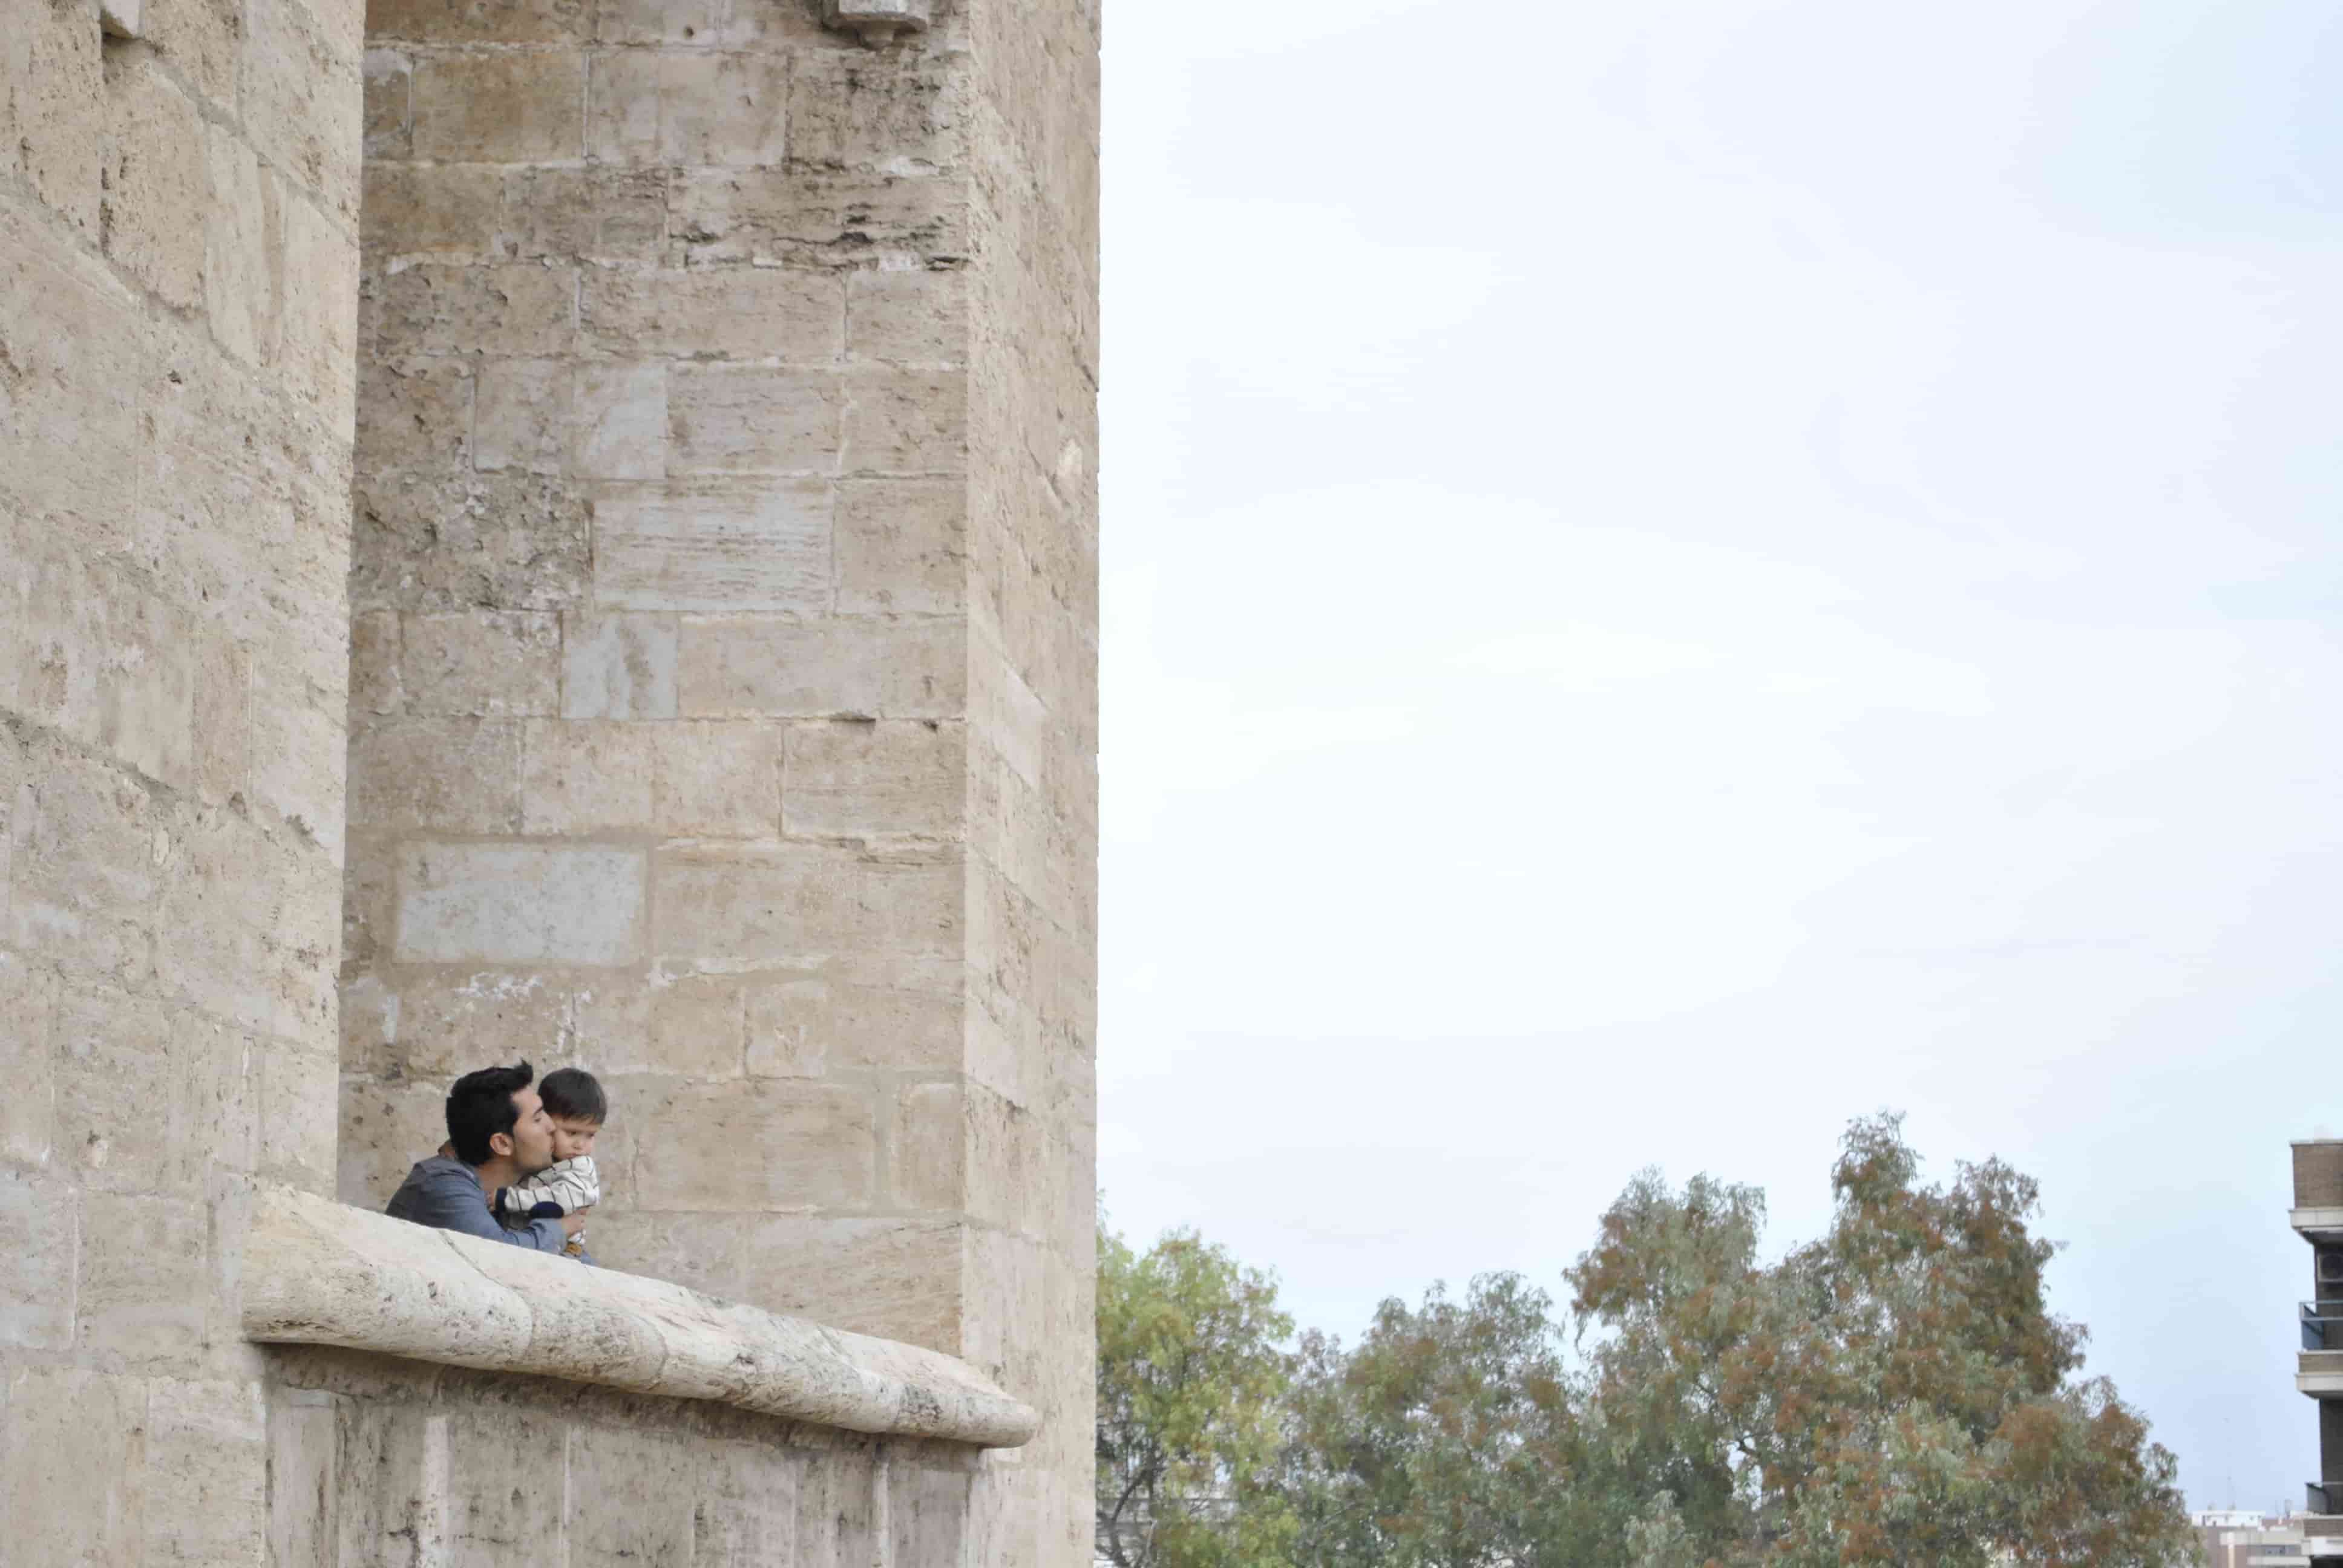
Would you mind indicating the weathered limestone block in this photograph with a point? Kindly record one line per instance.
(521, 904)
(892, 117)
(499, 107)
(584, 778)
(693, 109)
(55, 109)
(762, 313)
(610, 217)
(158, 179)
(317, 1274)
(833, 220)
(143, 1298)
(439, 308)
(504, 665)
(646, 1493)
(818, 1145)
(417, 416)
(879, 780)
(388, 105)
(437, 775)
(908, 315)
(28, 1017)
(39, 1235)
(480, 21)
(82, 1435)
(300, 96)
(618, 667)
(753, 905)
(714, 549)
(720, 780)
(199, 38)
(857, 669)
(495, 541)
(206, 1453)
(899, 1013)
(751, 419)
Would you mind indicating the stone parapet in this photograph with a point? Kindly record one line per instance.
(318, 1272)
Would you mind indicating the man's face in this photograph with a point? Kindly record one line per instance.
(532, 1134)
(573, 1137)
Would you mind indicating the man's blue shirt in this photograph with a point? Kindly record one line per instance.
(444, 1193)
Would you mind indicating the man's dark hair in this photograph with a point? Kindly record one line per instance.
(571, 1093)
(480, 1106)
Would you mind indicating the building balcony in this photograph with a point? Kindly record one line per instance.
(2317, 1212)
(2322, 1534)
(2320, 1372)
(2322, 1324)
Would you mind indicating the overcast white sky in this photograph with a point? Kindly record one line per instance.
(1680, 572)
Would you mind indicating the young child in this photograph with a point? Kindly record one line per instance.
(575, 1104)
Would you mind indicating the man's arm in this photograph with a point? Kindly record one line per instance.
(449, 1201)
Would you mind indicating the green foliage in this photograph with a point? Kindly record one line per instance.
(1895, 1393)
(1192, 1381)
(1445, 1440)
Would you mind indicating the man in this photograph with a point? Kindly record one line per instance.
(498, 1134)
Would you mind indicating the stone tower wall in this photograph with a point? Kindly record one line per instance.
(179, 259)
(723, 673)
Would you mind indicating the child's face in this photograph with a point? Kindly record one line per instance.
(573, 1137)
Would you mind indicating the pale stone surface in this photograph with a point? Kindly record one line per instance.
(442, 775)
(140, 1302)
(763, 313)
(586, 777)
(156, 173)
(28, 1012)
(782, 379)
(817, 1148)
(499, 109)
(901, 546)
(714, 549)
(177, 296)
(477, 903)
(901, 1014)
(316, 1274)
(206, 1450)
(456, 1466)
(39, 1235)
(496, 666)
(80, 1435)
(751, 419)
(738, 668)
(750, 906)
(720, 780)
(870, 780)
(618, 667)
(908, 316)
(623, 413)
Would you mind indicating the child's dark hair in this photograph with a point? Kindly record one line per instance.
(571, 1093)
(480, 1106)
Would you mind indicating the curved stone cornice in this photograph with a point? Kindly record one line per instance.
(323, 1273)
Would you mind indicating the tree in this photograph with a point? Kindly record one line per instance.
(1193, 1379)
(1447, 1439)
(1894, 1393)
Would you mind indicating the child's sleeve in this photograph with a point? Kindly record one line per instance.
(574, 1184)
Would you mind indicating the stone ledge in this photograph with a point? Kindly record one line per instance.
(322, 1274)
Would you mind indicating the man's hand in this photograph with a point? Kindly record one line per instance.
(573, 1222)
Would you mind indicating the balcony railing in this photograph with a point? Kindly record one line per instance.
(2322, 1325)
